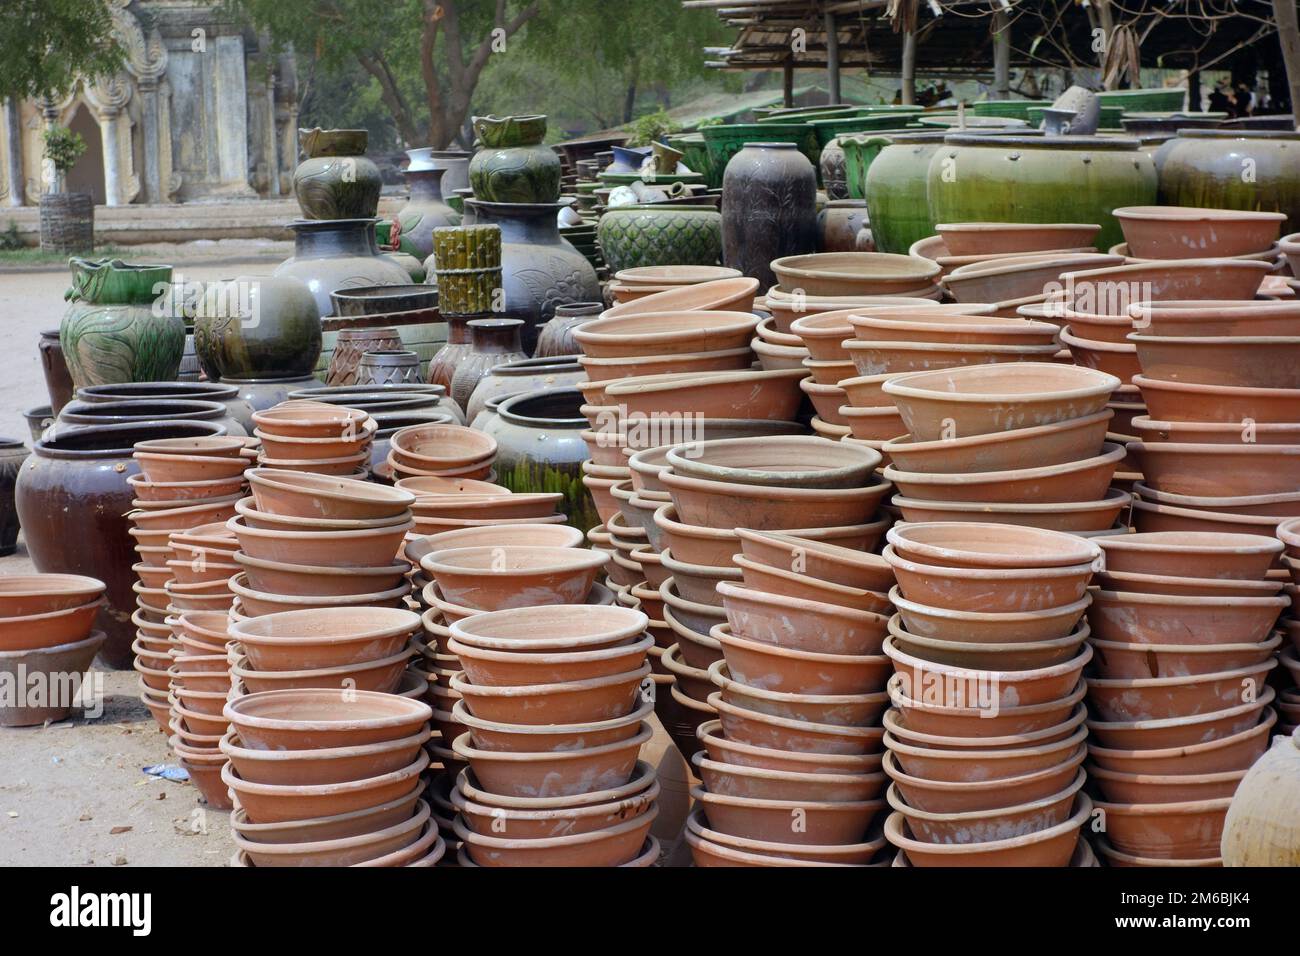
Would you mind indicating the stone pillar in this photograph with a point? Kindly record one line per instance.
(148, 87)
(112, 161)
(231, 118)
(14, 159)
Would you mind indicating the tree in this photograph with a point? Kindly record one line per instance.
(45, 45)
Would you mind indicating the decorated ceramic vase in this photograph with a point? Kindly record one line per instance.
(336, 180)
(513, 166)
(660, 234)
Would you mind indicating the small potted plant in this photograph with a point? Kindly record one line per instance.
(67, 218)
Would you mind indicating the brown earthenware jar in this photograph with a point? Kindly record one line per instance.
(493, 342)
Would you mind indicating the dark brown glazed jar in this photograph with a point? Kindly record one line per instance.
(443, 364)
(58, 380)
(493, 342)
(769, 208)
(556, 336)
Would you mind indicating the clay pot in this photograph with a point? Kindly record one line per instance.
(492, 579)
(711, 847)
(1183, 831)
(759, 730)
(799, 624)
(980, 719)
(1159, 698)
(1213, 469)
(278, 803)
(441, 448)
(976, 796)
(293, 580)
(579, 702)
(846, 710)
(554, 773)
(364, 548)
(526, 535)
(613, 846)
(1205, 587)
(53, 664)
(324, 637)
(383, 675)
(1247, 361)
(731, 751)
(324, 765)
(827, 822)
(1259, 828)
(1133, 617)
(988, 546)
(1053, 846)
(773, 183)
(739, 394)
(1187, 401)
(780, 582)
(1176, 732)
(984, 825)
(1185, 232)
(288, 493)
(970, 327)
(508, 667)
(719, 504)
(719, 295)
(778, 460)
(665, 333)
(753, 783)
(318, 719)
(855, 273)
(948, 624)
(37, 594)
(1012, 238)
(989, 589)
(1084, 480)
(979, 399)
(1214, 318)
(821, 560)
(1016, 277)
(880, 357)
(771, 667)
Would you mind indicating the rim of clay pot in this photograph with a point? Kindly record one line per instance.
(1267, 693)
(1121, 684)
(704, 797)
(521, 630)
(241, 668)
(239, 586)
(848, 595)
(1110, 452)
(1115, 499)
(1267, 720)
(247, 507)
(987, 653)
(552, 659)
(643, 779)
(236, 783)
(599, 595)
(326, 625)
(1066, 729)
(1114, 581)
(237, 525)
(232, 747)
(922, 540)
(478, 446)
(464, 748)
(229, 446)
(502, 844)
(1101, 596)
(623, 806)
(701, 296)
(213, 391)
(239, 823)
(490, 535)
(1074, 610)
(985, 574)
(533, 560)
(700, 760)
(364, 709)
(1004, 678)
(242, 560)
(789, 723)
(740, 591)
(1151, 430)
(675, 482)
(722, 634)
(79, 589)
(976, 754)
(379, 501)
(918, 384)
(460, 711)
(711, 729)
(725, 682)
(459, 683)
(648, 333)
(1115, 857)
(896, 801)
(889, 764)
(828, 464)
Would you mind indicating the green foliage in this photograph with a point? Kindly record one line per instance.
(9, 239)
(46, 44)
(651, 128)
(63, 147)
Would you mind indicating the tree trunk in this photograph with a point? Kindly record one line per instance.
(1288, 35)
(629, 96)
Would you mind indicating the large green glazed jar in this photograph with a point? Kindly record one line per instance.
(895, 189)
(124, 323)
(513, 166)
(695, 156)
(336, 180)
(726, 141)
(1233, 169)
(828, 129)
(859, 151)
(1038, 179)
(258, 327)
(660, 235)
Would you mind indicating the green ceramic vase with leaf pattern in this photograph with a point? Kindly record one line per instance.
(513, 166)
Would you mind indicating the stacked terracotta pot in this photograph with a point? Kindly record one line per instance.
(628, 285)
(1016, 442)
(200, 685)
(309, 436)
(985, 737)
(47, 640)
(315, 541)
(979, 244)
(448, 504)
(1182, 630)
(323, 778)
(442, 451)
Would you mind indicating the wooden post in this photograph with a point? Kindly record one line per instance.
(787, 82)
(1288, 35)
(832, 59)
(909, 68)
(1001, 56)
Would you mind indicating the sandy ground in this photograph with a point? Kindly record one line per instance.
(74, 793)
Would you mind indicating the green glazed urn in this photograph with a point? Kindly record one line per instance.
(258, 327)
(894, 186)
(426, 210)
(660, 235)
(125, 323)
(336, 180)
(1233, 169)
(859, 150)
(725, 141)
(979, 178)
(513, 166)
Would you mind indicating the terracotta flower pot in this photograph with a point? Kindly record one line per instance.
(1159, 698)
(826, 822)
(768, 666)
(1190, 587)
(728, 750)
(601, 698)
(987, 546)
(757, 729)
(311, 719)
(1112, 288)
(1011, 688)
(1015, 277)
(1242, 361)
(719, 504)
(254, 603)
(716, 295)
(665, 333)
(316, 496)
(553, 773)
(989, 655)
(490, 667)
(801, 625)
(974, 796)
(1173, 732)
(979, 627)
(780, 460)
(998, 590)
(548, 822)
(848, 710)
(753, 783)
(984, 825)
(280, 578)
(50, 629)
(1078, 517)
(327, 637)
(880, 357)
(778, 581)
(715, 546)
(365, 548)
(1053, 846)
(1235, 752)
(1185, 232)
(1084, 480)
(493, 736)
(492, 579)
(383, 675)
(321, 766)
(620, 845)
(1150, 430)
(710, 847)
(271, 803)
(1010, 238)
(967, 327)
(370, 848)
(739, 394)
(981, 719)
(1134, 617)
(1214, 318)
(1184, 830)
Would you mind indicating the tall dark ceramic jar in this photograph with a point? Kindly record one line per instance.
(540, 270)
(426, 210)
(331, 254)
(58, 381)
(556, 336)
(258, 327)
(1203, 167)
(540, 448)
(12, 455)
(442, 367)
(493, 342)
(73, 498)
(769, 208)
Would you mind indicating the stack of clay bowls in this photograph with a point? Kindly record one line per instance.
(1288, 702)
(1010, 283)
(1154, 233)
(1016, 442)
(305, 435)
(986, 734)
(808, 486)
(555, 716)
(47, 641)
(1219, 448)
(318, 541)
(1182, 632)
(200, 684)
(629, 285)
(442, 451)
(791, 768)
(323, 778)
(735, 294)
(978, 243)
(882, 343)
(857, 274)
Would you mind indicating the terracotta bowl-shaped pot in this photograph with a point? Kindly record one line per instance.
(496, 578)
(724, 504)
(1166, 279)
(227, 446)
(556, 821)
(1114, 857)
(310, 420)
(1174, 732)
(1185, 232)
(754, 783)
(383, 675)
(1165, 788)
(878, 357)
(1084, 480)
(982, 826)
(732, 751)
(674, 275)
(989, 655)
(204, 628)
(1052, 847)
(553, 773)
(979, 399)
(365, 548)
(1219, 469)
(1199, 319)
(976, 627)
(665, 333)
(441, 447)
(1013, 688)
(757, 729)
(1158, 698)
(821, 560)
(1154, 516)
(177, 492)
(1219, 755)
(823, 334)
(943, 325)
(52, 629)
(347, 466)
(280, 803)
(696, 582)
(715, 546)
(504, 668)
(346, 445)
(1077, 517)
(277, 577)
(998, 590)
(1150, 430)
(27, 594)
(320, 718)
(1115, 358)
(734, 294)
(1018, 277)
(320, 496)
(169, 468)
(982, 719)
(847, 710)
(622, 844)
(576, 702)
(491, 735)
(324, 637)
(496, 507)
(986, 546)
(738, 394)
(710, 847)
(527, 535)
(1012, 238)
(1136, 660)
(188, 515)
(778, 581)
(1192, 554)
(324, 765)
(1242, 361)
(805, 461)
(1191, 587)
(553, 629)
(828, 822)
(974, 796)
(768, 666)
(975, 759)
(855, 273)
(799, 624)
(254, 603)
(1187, 830)
(207, 538)
(411, 836)
(1134, 617)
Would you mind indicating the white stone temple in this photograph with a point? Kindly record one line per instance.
(204, 109)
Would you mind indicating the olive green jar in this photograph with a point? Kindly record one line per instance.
(1233, 169)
